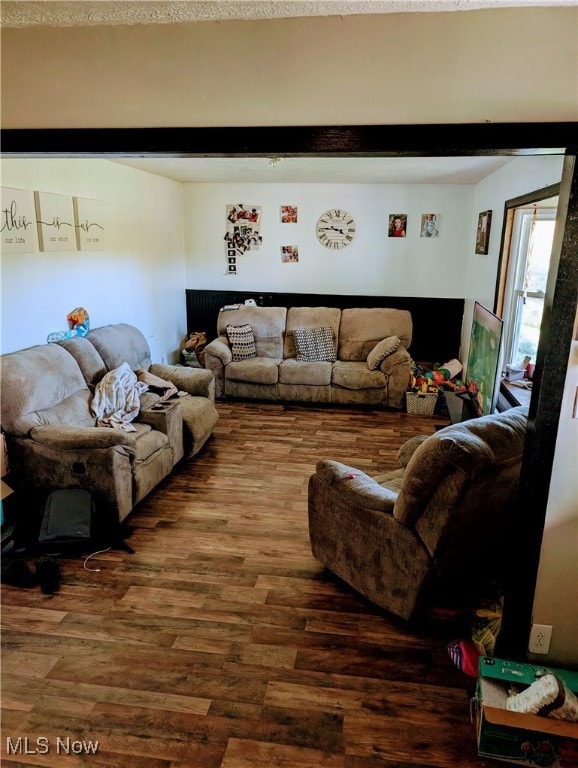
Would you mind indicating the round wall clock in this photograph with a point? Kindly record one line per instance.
(335, 228)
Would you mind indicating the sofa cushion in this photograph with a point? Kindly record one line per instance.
(268, 324)
(309, 317)
(382, 350)
(314, 344)
(242, 342)
(392, 480)
(259, 370)
(43, 385)
(148, 441)
(356, 376)
(362, 328)
(121, 343)
(90, 362)
(310, 374)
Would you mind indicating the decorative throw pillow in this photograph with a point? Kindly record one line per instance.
(381, 350)
(241, 341)
(314, 344)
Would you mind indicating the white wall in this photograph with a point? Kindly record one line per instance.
(556, 600)
(522, 175)
(138, 278)
(497, 65)
(373, 264)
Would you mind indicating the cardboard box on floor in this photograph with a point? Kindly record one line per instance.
(530, 740)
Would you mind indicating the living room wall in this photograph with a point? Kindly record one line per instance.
(139, 276)
(373, 264)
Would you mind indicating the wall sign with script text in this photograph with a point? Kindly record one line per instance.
(18, 226)
(55, 219)
(89, 224)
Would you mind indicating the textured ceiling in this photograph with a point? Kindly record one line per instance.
(25, 13)
(323, 170)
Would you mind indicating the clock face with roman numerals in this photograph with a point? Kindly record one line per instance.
(335, 228)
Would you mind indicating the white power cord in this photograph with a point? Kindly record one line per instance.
(98, 552)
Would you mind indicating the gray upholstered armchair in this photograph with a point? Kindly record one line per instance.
(427, 529)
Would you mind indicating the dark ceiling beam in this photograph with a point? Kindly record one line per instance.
(285, 141)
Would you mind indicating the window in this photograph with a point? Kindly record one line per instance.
(531, 246)
(527, 238)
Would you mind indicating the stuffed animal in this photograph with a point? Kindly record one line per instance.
(196, 343)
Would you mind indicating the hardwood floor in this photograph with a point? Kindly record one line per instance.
(221, 642)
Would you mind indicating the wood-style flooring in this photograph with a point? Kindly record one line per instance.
(221, 642)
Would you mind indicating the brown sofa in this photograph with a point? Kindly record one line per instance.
(430, 530)
(53, 441)
(276, 373)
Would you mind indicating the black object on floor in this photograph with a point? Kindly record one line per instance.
(48, 573)
(17, 573)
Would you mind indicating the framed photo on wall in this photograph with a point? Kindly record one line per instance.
(430, 225)
(483, 232)
(288, 214)
(397, 225)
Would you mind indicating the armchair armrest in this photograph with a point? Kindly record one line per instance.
(220, 349)
(409, 448)
(69, 438)
(355, 486)
(195, 381)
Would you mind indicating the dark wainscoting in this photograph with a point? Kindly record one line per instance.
(437, 323)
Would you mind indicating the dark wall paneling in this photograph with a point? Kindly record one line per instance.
(437, 323)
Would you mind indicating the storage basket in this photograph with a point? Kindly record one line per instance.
(423, 403)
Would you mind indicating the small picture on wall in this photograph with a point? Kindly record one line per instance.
(288, 214)
(397, 224)
(240, 212)
(483, 232)
(430, 225)
(289, 254)
(232, 268)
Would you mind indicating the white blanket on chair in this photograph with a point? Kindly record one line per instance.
(116, 399)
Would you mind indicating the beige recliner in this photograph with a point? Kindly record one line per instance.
(52, 435)
(432, 529)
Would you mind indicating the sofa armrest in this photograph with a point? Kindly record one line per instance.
(220, 349)
(69, 438)
(400, 357)
(396, 368)
(355, 486)
(195, 381)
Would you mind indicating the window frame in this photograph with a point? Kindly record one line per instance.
(514, 292)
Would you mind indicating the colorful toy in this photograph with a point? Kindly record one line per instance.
(79, 325)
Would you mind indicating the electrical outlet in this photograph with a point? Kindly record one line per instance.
(540, 637)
